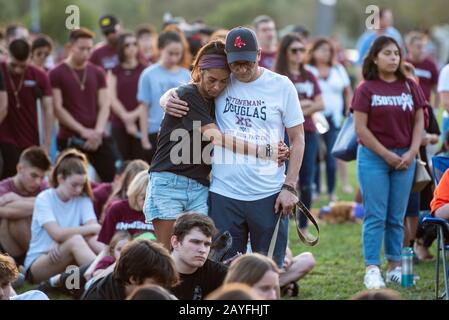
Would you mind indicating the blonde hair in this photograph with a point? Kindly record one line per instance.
(250, 268)
(136, 188)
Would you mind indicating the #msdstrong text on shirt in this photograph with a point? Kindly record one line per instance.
(405, 101)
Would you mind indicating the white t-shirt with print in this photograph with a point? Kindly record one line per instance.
(258, 112)
(332, 90)
(50, 208)
(443, 84)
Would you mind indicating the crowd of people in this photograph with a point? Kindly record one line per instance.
(129, 159)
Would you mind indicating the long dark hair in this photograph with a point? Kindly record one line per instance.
(281, 65)
(370, 70)
(315, 46)
(121, 46)
(214, 47)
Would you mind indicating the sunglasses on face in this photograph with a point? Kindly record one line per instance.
(296, 50)
(42, 54)
(133, 44)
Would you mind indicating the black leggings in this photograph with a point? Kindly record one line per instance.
(103, 160)
(129, 147)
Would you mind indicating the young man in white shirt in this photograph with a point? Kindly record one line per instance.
(247, 194)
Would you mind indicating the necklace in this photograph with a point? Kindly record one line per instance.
(81, 82)
(15, 89)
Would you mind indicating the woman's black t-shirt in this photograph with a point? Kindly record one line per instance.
(181, 149)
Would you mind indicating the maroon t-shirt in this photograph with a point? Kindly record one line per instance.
(82, 105)
(7, 186)
(127, 86)
(267, 60)
(101, 193)
(391, 108)
(105, 57)
(20, 126)
(120, 217)
(307, 89)
(427, 72)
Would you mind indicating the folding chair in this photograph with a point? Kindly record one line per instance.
(439, 166)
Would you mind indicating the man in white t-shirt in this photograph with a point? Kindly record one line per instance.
(443, 90)
(258, 105)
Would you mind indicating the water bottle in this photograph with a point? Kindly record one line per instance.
(407, 267)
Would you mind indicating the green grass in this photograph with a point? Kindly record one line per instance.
(340, 265)
(340, 268)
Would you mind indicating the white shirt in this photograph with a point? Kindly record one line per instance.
(32, 295)
(332, 90)
(258, 112)
(50, 208)
(443, 84)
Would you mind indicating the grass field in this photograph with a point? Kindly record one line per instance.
(340, 268)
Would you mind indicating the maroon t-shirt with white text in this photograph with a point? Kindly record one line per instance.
(391, 109)
(20, 127)
(121, 217)
(105, 56)
(127, 86)
(308, 88)
(82, 105)
(427, 72)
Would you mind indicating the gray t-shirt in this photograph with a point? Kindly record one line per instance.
(50, 208)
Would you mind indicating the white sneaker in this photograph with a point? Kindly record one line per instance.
(373, 279)
(394, 276)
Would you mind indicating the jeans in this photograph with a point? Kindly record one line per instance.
(307, 172)
(169, 195)
(331, 163)
(385, 194)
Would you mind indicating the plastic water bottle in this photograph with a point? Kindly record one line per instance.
(407, 267)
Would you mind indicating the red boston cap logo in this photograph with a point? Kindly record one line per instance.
(239, 43)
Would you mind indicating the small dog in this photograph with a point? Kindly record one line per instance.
(339, 212)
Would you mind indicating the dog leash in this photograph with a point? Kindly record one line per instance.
(304, 239)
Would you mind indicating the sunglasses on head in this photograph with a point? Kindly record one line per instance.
(296, 50)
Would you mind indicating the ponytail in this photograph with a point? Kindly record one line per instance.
(71, 162)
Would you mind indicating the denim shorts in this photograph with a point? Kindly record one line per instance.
(169, 195)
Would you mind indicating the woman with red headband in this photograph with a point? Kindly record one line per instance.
(179, 174)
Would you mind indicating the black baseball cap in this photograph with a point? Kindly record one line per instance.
(241, 45)
(108, 24)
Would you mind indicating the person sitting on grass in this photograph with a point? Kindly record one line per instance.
(141, 262)
(294, 269)
(259, 272)
(191, 242)
(8, 274)
(17, 197)
(64, 227)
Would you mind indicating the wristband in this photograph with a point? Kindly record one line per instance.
(290, 189)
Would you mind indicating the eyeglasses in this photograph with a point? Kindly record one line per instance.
(296, 50)
(238, 65)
